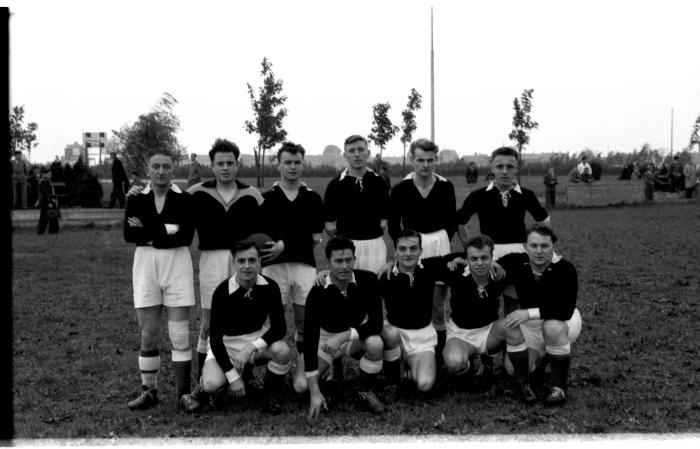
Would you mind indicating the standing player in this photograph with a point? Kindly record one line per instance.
(294, 213)
(239, 336)
(343, 317)
(501, 206)
(159, 222)
(474, 326)
(355, 206)
(225, 212)
(546, 287)
(425, 202)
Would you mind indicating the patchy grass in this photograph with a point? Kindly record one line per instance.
(634, 368)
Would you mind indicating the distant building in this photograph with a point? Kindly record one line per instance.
(72, 152)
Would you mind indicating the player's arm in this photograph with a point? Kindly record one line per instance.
(216, 333)
(135, 225)
(539, 213)
(566, 290)
(463, 215)
(394, 220)
(330, 203)
(181, 232)
(451, 212)
(373, 305)
(312, 328)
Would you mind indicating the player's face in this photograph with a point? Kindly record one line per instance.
(540, 250)
(408, 252)
(225, 167)
(290, 165)
(479, 260)
(424, 162)
(504, 168)
(247, 265)
(341, 264)
(160, 170)
(356, 154)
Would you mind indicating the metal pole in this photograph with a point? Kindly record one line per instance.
(432, 80)
(671, 132)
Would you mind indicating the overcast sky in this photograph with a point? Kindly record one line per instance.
(605, 74)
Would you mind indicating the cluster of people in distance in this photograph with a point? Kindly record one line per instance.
(257, 256)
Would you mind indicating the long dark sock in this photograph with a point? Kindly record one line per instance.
(182, 372)
(560, 369)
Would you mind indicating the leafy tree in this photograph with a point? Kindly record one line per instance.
(695, 135)
(409, 121)
(152, 131)
(21, 137)
(268, 114)
(383, 130)
(522, 122)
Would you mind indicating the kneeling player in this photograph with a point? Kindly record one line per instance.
(238, 336)
(343, 317)
(546, 287)
(474, 326)
(408, 298)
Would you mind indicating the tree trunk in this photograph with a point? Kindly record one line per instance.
(261, 179)
(520, 160)
(404, 159)
(256, 155)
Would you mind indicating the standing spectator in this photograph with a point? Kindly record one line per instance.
(636, 172)
(550, 186)
(581, 167)
(120, 182)
(676, 175)
(384, 174)
(691, 181)
(587, 176)
(20, 170)
(472, 173)
(135, 180)
(48, 210)
(648, 177)
(195, 173)
(33, 182)
(574, 176)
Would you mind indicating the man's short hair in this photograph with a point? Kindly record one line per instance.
(505, 151)
(244, 245)
(583, 158)
(44, 169)
(113, 153)
(339, 243)
(410, 233)
(159, 151)
(135, 173)
(354, 138)
(291, 148)
(224, 146)
(480, 242)
(423, 144)
(18, 153)
(541, 230)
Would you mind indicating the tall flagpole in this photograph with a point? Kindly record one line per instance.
(671, 132)
(432, 80)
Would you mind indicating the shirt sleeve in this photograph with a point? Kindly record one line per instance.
(373, 305)
(532, 204)
(450, 211)
(312, 329)
(217, 326)
(330, 201)
(467, 210)
(133, 234)
(563, 302)
(395, 207)
(275, 310)
(382, 197)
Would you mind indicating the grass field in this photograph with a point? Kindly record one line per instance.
(634, 366)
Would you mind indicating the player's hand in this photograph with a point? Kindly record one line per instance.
(333, 344)
(321, 277)
(516, 318)
(134, 222)
(244, 356)
(330, 229)
(385, 270)
(273, 250)
(237, 388)
(384, 224)
(497, 271)
(317, 403)
(135, 190)
(456, 264)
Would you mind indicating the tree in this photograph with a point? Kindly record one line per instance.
(152, 131)
(695, 135)
(21, 137)
(383, 130)
(268, 114)
(522, 122)
(409, 121)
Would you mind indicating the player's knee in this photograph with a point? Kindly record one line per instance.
(150, 336)
(301, 384)
(390, 336)
(374, 347)
(425, 382)
(554, 330)
(178, 331)
(454, 361)
(280, 352)
(210, 384)
(204, 327)
(514, 336)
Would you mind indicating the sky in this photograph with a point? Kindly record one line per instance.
(606, 74)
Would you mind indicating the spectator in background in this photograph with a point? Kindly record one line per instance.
(195, 173)
(691, 179)
(587, 175)
(33, 182)
(636, 171)
(490, 176)
(120, 182)
(676, 175)
(48, 209)
(135, 180)
(574, 175)
(472, 173)
(550, 186)
(581, 167)
(384, 174)
(649, 177)
(20, 170)
(596, 170)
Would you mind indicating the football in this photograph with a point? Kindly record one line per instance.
(261, 240)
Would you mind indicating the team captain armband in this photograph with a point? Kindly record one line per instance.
(534, 313)
(353, 334)
(171, 229)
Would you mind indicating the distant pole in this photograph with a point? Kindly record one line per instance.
(671, 132)
(432, 80)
